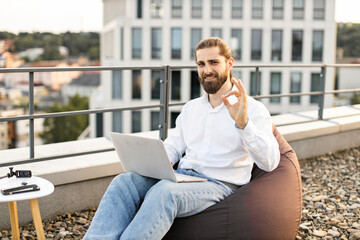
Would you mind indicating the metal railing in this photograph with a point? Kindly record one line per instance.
(164, 98)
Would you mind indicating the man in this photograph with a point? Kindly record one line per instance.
(221, 141)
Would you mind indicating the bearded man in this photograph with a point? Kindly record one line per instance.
(221, 140)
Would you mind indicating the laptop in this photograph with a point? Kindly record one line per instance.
(147, 157)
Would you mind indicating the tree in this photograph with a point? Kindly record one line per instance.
(61, 129)
(348, 38)
(355, 99)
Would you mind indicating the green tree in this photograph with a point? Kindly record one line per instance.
(61, 129)
(348, 38)
(51, 48)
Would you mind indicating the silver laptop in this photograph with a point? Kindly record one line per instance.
(147, 157)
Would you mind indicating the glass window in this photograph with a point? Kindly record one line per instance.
(176, 8)
(278, 9)
(317, 45)
(156, 43)
(176, 85)
(297, 44)
(235, 43)
(117, 84)
(136, 43)
(136, 84)
(135, 121)
(216, 32)
(256, 43)
(276, 45)
(173, 118)
(195, 85)
(155, 120)
(216, 8)
(275, 86)
(257, 9)
(139, 9)
(176, 43)
(315, 86)
(196, 8)
(298, 9)
(156, 76)
(295, 86)
(196, 36)
(319, 9)
(156, 10)
(117, 122)
(236, 8)
(253, 85)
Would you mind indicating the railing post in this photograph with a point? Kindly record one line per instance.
(322, 96)
(31, 113)
(257, 80)
(164, 101)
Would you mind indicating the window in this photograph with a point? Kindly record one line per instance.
(256, 42)
(216, 32)
(317, 45)
(136, 84)
(196, 36)
(315, 86)
(295, 86)
(278, 9)
(117, 121)
(275, 86)
(116, 84)
(176, 85)
(156, 76)
(176, 8)
(235, 43)
(173, 118)
(156, 43)
(319, 9)
(122, 43)
(196, 8)
(216, 8)
(276, 45)
(298, 9)
(155, 120)
(135, 121)
(236, 9)
(156, 10)
(253, 85)
(136, 43)
(257, 9)
(139, 9)
(237, 74)
(297, 42)
(195, 85)
(176, 43)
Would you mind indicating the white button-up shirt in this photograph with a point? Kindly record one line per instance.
(215, 147)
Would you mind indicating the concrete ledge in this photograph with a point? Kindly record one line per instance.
(81, 181)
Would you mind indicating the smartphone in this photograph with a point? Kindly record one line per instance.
(21, 189)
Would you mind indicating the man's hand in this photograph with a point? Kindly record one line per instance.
(238, 110)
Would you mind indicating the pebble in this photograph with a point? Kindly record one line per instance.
(331, 203)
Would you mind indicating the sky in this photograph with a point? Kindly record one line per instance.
(86, 15)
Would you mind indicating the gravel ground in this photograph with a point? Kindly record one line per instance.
(331, 206)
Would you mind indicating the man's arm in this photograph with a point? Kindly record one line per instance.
(256, 131)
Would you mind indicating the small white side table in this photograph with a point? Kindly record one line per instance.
(46, 188)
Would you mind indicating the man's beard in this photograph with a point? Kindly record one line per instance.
(211, 87)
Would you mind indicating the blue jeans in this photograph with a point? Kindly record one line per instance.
(137, 207)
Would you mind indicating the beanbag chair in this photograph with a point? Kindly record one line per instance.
(268, 207)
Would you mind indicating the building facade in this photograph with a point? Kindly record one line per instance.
(166, 32)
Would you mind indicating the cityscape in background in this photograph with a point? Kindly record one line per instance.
(157, 32)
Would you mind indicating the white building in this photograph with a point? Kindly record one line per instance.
(165, 32)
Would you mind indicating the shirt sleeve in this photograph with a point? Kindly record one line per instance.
(258, 137)
(174, 143)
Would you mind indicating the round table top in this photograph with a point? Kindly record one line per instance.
(46, 188)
